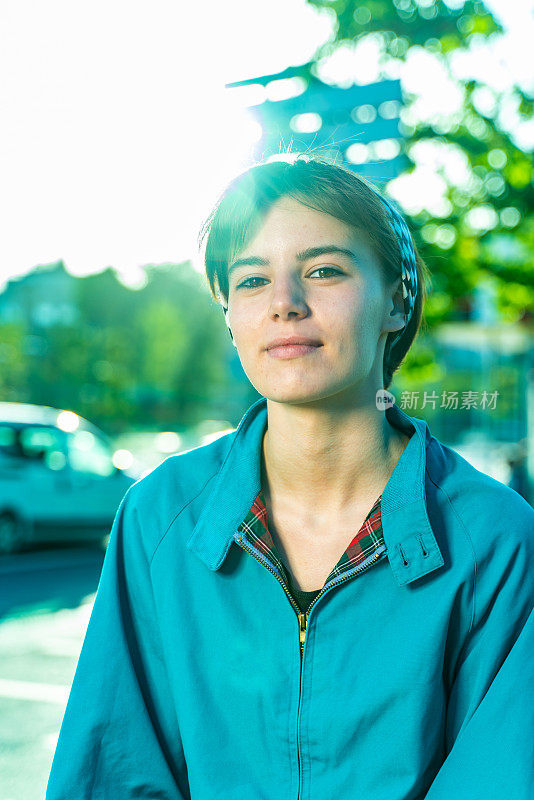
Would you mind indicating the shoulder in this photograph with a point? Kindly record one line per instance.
(180, 482)
(496, 519)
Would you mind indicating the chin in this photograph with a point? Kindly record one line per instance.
(298, 393)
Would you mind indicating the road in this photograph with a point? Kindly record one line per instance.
(46, 598)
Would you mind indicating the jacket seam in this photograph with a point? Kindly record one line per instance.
(212, 476)
(468, 537)
(162, 658)
(173, 520)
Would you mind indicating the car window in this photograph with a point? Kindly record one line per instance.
(43, 444)
(89, 454)
(8, 441)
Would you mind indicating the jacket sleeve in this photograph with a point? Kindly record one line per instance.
(119, 738)
(490, 712)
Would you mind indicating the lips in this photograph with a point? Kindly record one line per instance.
(294, 340)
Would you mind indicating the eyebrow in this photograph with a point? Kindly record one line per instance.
(303, 255)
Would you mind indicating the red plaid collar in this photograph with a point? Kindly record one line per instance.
(365, 543)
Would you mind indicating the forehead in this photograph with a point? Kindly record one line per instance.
(285, 211)
(291, 225)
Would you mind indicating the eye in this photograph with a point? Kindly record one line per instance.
(328, 269)
(247, 285)
(244, 285)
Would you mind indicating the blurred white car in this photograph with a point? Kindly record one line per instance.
(60, 479)
(152, 447)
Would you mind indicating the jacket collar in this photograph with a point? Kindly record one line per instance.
(412, 549)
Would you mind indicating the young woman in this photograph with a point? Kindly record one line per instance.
(326, 602)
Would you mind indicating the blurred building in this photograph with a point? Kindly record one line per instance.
(479, 394)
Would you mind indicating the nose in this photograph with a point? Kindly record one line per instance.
(288, 299)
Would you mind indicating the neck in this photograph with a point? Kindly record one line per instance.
(328, 459)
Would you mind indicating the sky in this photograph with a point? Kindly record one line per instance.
(118, 135)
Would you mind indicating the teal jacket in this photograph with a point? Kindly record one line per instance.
(417, 675)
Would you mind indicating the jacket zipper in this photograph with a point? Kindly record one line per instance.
(265, 563)
(304, 615)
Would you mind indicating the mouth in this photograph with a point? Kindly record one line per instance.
(292, 350)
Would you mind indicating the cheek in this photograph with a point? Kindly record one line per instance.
(246, 325)
(367, 309)
(349, 315)
(355, 326)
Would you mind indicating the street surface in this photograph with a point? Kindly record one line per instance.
(46, 598)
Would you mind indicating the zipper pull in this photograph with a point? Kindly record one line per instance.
(303, 621)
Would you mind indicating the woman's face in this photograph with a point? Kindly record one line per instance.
(341, 303)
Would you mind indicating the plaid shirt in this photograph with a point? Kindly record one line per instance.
(365, 549)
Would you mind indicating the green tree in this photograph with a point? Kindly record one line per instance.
(14, 372)
(486, 229)
(132, 358)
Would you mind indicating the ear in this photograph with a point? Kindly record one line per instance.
(395, 307)
(225, 310)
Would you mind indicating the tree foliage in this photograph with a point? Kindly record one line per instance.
(131, 358)
(486, 228)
